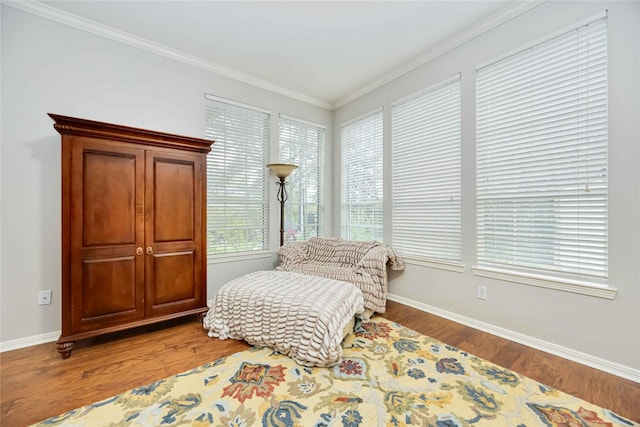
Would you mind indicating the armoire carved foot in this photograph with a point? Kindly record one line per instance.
(64, 348)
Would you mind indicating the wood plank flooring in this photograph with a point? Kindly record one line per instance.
(36, 383)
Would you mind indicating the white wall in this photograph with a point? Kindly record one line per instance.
(49, 67)
(606, 329)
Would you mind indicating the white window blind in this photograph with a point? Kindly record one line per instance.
(362, 178)
(426, 173)
(542, 158)
(302, 143)
(237, 196)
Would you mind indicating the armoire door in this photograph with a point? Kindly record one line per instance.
(174, 270)
(107, 234)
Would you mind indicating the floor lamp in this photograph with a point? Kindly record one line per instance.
(282, 171)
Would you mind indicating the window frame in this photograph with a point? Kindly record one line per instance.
(368, 127)
(426, 130)
(223, 185)
(552, 277)
(308, 141)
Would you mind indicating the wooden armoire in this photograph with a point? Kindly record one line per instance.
(133, 228)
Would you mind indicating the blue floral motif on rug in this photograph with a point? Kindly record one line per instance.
(389, 376)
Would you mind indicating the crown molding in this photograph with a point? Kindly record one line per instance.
(77, 22)
(69, 19)
(476, 30)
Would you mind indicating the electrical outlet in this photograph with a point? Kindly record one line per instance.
(482, 292)
(44, 297)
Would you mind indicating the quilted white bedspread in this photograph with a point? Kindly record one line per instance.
(298, 315)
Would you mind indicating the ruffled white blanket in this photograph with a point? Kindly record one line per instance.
(362, 263)
(298, 315)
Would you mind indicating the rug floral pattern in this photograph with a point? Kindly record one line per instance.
(389, 376)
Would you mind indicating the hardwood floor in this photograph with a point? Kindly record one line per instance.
(36, 383)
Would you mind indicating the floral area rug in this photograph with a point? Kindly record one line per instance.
(390, 376)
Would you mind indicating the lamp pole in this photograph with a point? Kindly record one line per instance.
(282, 171)
(282, 197)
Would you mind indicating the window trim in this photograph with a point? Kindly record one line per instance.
(566, 285)
(303, 121)
(238, 256)
(433, 263)
(215, 98)
(547, 37)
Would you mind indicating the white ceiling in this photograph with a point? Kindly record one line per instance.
(325, 51)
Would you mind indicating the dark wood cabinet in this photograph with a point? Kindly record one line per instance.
(133, 227)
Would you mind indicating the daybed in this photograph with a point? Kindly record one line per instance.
(304, 317)
(361, 263)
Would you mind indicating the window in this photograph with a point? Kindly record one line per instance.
(426, 173)
(542, 158)
(361, 141)
(237, 194)
(302, 144)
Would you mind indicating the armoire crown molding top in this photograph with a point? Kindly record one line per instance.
(66, 125)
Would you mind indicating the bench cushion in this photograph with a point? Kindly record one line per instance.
(302, 316)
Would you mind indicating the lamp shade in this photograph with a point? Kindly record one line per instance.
(281, 170)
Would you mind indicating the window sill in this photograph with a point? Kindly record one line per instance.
(238, 256)
(576, 287)
(442, 265)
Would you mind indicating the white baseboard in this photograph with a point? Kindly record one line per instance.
(558, 350)
(29, 341)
